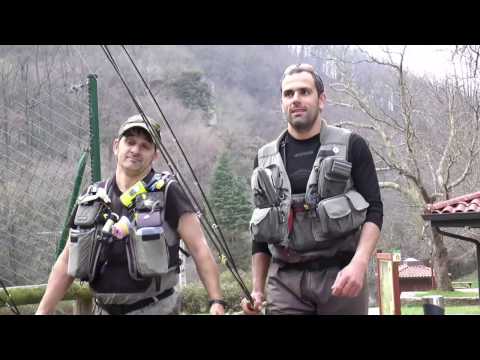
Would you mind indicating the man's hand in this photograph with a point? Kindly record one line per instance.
(258, 298)
(39, 312)
(217, 309)
(350, 279)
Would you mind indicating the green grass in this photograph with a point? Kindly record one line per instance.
(466, 294)
(449, 310)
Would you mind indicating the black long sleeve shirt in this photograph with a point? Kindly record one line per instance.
(299, 157)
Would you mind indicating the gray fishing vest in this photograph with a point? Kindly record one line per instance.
(325, 219)
(151, 245)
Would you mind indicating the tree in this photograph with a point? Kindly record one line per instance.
(232, 210)
(425, 134)
(229, 199)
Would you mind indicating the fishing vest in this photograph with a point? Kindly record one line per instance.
(151, 245)
(324, 220)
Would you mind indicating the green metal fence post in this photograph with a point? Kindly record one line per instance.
(76, 189)
(94, 128)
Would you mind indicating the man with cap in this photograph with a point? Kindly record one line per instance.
(125, 236)
(318, 211)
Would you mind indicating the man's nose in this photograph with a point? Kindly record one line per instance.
(296, 96)
(135, 149)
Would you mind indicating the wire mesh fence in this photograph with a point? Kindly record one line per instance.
(42, 136)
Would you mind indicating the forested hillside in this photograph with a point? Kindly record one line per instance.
(223, 102)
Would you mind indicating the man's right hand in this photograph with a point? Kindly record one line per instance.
(40, 312)
(258, 298)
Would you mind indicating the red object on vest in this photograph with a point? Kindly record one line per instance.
(291, 217)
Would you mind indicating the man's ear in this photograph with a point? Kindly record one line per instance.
(322, 99)
(157, 154)
(115, 146)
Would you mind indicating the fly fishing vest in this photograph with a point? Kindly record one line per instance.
(151, 246)
(324, 220)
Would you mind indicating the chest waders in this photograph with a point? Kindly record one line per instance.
(151, 246)
(323, 221)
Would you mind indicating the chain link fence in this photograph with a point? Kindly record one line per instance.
(42, 137)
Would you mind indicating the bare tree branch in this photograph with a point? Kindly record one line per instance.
(373, 59)
(409, 193)
(474, 151)
(335, 103)
(341, 87)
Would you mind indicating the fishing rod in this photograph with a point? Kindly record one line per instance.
(177, 142)
(175, 139)
(13, 307)
(219, 242)
(227, 259)
(158, 142)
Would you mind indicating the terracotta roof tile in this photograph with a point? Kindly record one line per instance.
(461, 204)
(414, 271)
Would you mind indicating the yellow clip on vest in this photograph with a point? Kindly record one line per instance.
(129, 196)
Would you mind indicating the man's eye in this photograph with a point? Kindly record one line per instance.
(288, 93)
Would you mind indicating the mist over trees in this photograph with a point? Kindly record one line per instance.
(225, 101)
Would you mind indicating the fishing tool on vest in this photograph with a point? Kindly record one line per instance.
(111, 218)
(156, 183)
(128, 197)
(121, 228)
(208, 221)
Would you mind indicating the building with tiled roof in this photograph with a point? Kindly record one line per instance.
(459, 212)
(414, 275)
(469, 203)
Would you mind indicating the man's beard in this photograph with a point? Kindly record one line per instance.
(303, 123)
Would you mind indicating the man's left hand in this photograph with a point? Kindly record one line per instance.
(349, 281)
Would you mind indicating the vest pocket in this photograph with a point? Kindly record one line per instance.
(301, 238)
(268, 225)
(266, 186)
(80, 252)
(340, 215)
(147, 248)
(333, 177)
(152, 251)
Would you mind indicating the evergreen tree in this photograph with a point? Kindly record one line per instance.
(228, 196)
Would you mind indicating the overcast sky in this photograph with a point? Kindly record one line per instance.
(432, 60)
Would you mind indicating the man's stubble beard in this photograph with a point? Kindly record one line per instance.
(306, 121)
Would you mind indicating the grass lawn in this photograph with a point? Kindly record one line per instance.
(468, 294)
(449, 310)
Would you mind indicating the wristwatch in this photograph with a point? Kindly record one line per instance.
(217, 301)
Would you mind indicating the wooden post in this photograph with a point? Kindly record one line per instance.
(388, 283)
